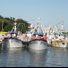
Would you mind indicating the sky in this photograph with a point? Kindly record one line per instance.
(51, 12)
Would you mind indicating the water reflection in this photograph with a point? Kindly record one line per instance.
(22, 57)
(12, 57)
(37, 58)
(57, 57)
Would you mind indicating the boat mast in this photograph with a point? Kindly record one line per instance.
(15, 26)
(31, 25)
(38, 20)
(62, 27)
(2, 25)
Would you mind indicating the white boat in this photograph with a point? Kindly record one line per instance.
(60, 43)
(13, 43)
(37, 44)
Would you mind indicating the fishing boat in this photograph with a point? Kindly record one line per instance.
(11, 39)
(62, 42)
(38, 44)
(58, 40)
(37, 40)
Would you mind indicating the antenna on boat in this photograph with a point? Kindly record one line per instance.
(31, 23)
(38, 25)
(62, 26)
(2, 25)
(15, 25)
(31, 26)
(38, 19)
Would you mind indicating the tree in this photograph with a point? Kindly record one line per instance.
(1, 17)
(23, 27)
(8, 27)
(8, 24)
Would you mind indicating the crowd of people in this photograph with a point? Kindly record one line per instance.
(31, 36)
(25, 36)
(57, 37)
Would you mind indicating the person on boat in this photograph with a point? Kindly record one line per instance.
(60, 37)
(14, 35)
(8, 35)
(2, 37)
(49, 39)
(29, 35)
(19, 33)
(45, 37)
(38, 37)
(32, 37)
(18, 36)
(66, 37)
(5, 36)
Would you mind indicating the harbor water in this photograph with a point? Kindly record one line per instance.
(24, 57)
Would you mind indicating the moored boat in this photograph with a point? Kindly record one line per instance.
(12, 41)
(38, 40)
(60, 43)
(58, 40)
(37, 44)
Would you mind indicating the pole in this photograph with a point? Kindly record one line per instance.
(2, 25)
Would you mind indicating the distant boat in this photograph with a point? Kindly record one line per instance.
(58, 42)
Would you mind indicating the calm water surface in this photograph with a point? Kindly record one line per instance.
(22, 57)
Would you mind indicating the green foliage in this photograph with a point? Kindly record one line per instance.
(8, 24)
(22, 25)
(8, 27)
(1, 17)
(5, 22)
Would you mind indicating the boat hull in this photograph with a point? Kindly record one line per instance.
(49, 42)
(60, 43)
(1, 45)
(13, 43)
(37, 44)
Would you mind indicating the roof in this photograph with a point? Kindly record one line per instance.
(3, 32)
(60, 34)
(28, 23)
(12, 31)
(19, 18)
